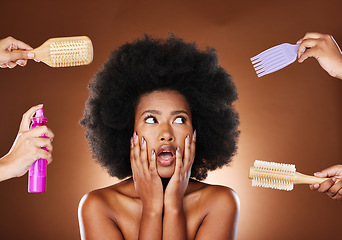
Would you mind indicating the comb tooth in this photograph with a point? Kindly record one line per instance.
(275, 64)
(273, 69)
(273, 57)
(270, 62)
(275, 52)
(273, 175)
(264, 53)
(258, 65)
(256, 60)
(265, 182)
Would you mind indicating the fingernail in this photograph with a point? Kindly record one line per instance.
(334, 179)
(30, 55)
(142, 140)
(178, 149)
(195, 134)
(188, 138)
(131, 141)
(135, 136)
(153, 152)
(316, 185)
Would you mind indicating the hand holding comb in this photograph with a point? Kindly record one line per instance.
(279, 176)
(65, 51)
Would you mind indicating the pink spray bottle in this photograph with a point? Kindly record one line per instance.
(37, 172)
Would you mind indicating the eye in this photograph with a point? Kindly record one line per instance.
(150, 119)
(179, 120)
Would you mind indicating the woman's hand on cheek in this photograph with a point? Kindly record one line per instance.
(147, 182)
(175, 190)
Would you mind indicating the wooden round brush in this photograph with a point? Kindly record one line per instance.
(279, 176)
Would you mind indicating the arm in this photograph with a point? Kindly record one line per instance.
(174, 222)
(94, 221)
(222, 218)
(330, 186)
(26, 148)
(11, 59)
(149, 188)
(324, 48)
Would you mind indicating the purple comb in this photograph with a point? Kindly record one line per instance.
(274, 59)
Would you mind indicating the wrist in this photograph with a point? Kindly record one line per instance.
(6, 171)
(339, 75)
(339, 69)
(153, 209)
(174, 206)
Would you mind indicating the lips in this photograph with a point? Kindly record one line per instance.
(166, 155)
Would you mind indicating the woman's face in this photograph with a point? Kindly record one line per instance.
(163, 118)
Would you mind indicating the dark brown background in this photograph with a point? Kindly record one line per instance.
(291, 116)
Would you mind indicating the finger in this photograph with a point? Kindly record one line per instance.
(178, 167)
(309, 35)
(187, 152)
(299, 41)
(153, 163)
(11, 64)
(193, 148)
(338, 196)
(143, 154)
(21, 62)
(304, 47)
(26, 119)
(313, 35)
(42, 131)
(136, 153)
(17, 55)
(324, 186)
(314, 186)
(16, 44)
(334, 189)
(43, 143)
(42, 154)
(332, 171)
(133, 165)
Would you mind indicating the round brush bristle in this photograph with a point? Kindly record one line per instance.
(70, 53)
(273, 175)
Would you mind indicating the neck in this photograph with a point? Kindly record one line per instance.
(165, 181)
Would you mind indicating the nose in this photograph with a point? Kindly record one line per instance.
(166, 133)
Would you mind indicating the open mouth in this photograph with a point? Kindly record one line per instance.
(166, 155)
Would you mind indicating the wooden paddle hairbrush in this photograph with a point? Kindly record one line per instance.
(65, 51)
(279, 176)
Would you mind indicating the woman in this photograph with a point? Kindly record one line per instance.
(146, 108)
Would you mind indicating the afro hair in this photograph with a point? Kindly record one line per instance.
(148, 64)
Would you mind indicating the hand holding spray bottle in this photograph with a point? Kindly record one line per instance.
(37, 172)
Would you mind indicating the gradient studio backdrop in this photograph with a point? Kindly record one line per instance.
(291, 116)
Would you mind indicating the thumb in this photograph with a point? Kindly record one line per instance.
(26, 119)
(330, 172)
(320, 174)
(14, 55)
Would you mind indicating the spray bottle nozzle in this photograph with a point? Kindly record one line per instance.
(40, 113)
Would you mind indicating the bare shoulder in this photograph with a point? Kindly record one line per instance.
(218, 197)
(99, 209)
(102, 200)
(222, 194)
(217, 208)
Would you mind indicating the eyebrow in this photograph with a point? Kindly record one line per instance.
(159, 113)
